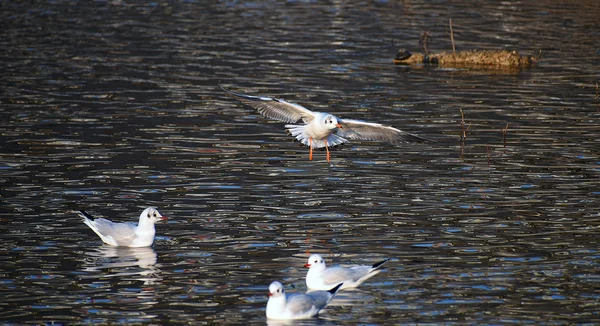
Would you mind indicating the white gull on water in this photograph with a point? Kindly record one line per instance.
(319, 277)
(126, 234)
(320, 129)
(296, 305)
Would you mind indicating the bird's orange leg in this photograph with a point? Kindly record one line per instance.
(327, 149)
(310, 145)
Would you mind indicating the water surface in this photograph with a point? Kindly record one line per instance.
(113, 106)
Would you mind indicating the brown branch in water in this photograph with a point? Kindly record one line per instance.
(463, 134)
(452, 36)
(424, 42)
(597, 94)
(504, 132)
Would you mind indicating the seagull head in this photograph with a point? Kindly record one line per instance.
(331, 122)
(276, 289)
(151, 215)
(315, 262)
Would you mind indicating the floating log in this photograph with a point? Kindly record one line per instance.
(477, 58)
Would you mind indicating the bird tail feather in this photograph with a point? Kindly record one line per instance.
(299, 132)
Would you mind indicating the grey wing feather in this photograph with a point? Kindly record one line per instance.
(320, 298)
(298, 303)
(118, 231)
(335, 275)
(362, 130)
(273, 108)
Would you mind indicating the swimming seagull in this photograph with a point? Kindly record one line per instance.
(126, 234)
(320, 277)
(296, 305)
(321, 129)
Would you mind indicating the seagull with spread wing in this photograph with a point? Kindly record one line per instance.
(321, 129)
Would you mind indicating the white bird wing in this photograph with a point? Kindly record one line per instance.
(337, 274)
(362, 130)
(274, 108)
(121, 232)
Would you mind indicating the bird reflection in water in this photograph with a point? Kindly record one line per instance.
(121, 261)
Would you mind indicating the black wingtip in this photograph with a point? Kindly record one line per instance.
(418, 139)
(238, 95)
(85, 214)
(223, 88)
(427, 140)
(379, 264)
(336, 288)
(233, 93)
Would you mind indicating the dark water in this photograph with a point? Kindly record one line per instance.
(112, 106)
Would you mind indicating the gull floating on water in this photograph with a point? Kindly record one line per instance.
(296, 305)
(126, 234)
(319, 277)
(321, 129)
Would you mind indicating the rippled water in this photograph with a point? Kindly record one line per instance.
(113, 106)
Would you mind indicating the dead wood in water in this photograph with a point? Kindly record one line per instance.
(469, 58)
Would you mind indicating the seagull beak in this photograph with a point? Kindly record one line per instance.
(339, 126)
(307, 265)
(270, 294)
(164, 218)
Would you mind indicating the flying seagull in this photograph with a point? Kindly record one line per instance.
(320, 129)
